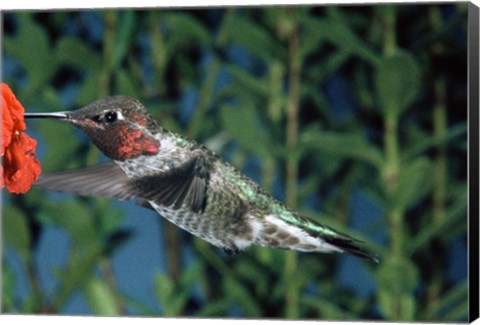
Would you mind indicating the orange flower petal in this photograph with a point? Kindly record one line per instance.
(20, 166)
(15, 107)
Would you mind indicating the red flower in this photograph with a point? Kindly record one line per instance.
(20, 168)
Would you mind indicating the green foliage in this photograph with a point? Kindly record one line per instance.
(101, 297)
(249, 34)
(251, 134)
(397, 278)
(413, 184)
(262, 83)
(398, 82)
(343, 145)
(16, 232)
(72, 51)
(173, 295)
(31, 36)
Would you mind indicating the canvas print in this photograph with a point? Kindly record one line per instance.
(237, 162)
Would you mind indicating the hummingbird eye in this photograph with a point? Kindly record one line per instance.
(110, 117)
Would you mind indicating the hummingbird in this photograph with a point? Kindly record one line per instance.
(186, 183)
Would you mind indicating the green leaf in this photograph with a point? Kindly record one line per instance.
(78, 270)
(315, 36)
(239, 294)
(31, 48)
(123, 37)
(460, 312)
(328, 310)
(184, 30)
(243, 124)
(109, 216)
(245, 82)
(88, 91)
(9, 283)
(15, 231)
(164, 291)
(174, 296)
(397, 278)
(126, 84)
(455, 215)
(254, 38)
(425, 143)
(415, 181)
(324, 70)
(348, 145)
(76, 218)
(100, 297)
(397, 81)
(339, 34)
(396, 307)
(214, 309)
(75, 52)
(140, 307)
(60, 142)
(454, 299)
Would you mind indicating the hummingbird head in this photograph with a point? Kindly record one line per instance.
(119, 126)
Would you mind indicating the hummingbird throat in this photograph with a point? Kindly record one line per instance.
(132, 143)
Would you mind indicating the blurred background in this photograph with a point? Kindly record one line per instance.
(353, 115)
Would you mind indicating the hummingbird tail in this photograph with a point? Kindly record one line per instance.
(351, 246)
(302, 234)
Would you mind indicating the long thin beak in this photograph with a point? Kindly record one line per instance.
(55, 115)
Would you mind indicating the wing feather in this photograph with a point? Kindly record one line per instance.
(183, 184)
(107, 180)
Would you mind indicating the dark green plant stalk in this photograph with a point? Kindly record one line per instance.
(389, 38)
(440, 163)
(110, 21)
(109, 276)
(391, 174)
(392, 168)
(439, 191)
(172, 246)
(206, 92)
(158, 52)
(37, 297)
(291, 260)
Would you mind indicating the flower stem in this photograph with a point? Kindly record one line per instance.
(291, 262)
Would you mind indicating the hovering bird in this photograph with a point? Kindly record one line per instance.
(184, 182)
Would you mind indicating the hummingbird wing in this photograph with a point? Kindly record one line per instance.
(186, 183)
(106, 180)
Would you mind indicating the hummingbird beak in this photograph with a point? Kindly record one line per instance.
(55, 115)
